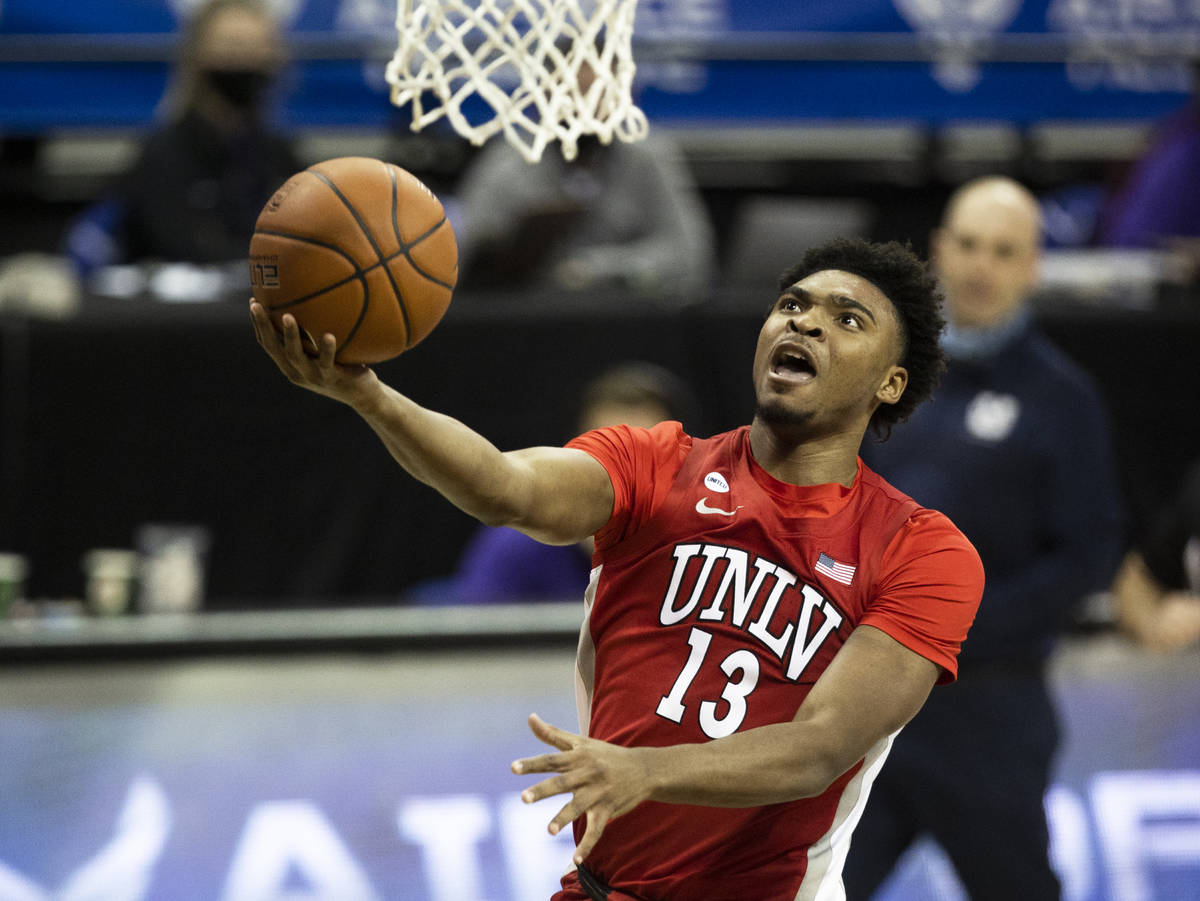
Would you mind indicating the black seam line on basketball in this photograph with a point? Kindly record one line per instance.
(362, 226)
(396, 292)
(359, 275)
(359, 272)
(405, 248)
(402, 252)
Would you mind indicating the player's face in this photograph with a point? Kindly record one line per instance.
(828, 354)
(986, 255)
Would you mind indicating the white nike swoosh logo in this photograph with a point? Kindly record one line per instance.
(702, 507)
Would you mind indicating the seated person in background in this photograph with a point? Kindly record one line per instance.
(200, 180)
(625, 216)
(501, 565)
(1155, 205)
(1157, 591)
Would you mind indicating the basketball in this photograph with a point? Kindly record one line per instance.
(357, 248)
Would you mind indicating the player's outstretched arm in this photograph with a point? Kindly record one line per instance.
(556, 495)
(873, 687)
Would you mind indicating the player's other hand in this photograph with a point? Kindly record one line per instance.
(604, 780)
(309, 367)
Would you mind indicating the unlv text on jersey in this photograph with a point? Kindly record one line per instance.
(759, 594)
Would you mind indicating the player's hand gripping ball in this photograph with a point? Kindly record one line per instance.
(357, 248)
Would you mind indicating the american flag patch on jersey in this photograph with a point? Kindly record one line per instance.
(839, 572)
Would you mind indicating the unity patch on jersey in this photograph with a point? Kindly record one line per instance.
(714, 481)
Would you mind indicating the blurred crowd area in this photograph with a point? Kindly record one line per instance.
(765, 190)
(787, 126)
(766, 137)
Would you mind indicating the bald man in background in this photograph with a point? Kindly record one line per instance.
(1015, 448)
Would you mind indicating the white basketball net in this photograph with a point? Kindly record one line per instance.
(531, 61)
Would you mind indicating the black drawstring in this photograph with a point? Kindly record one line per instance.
(596, 889)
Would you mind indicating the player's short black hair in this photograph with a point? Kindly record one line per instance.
(909, 284)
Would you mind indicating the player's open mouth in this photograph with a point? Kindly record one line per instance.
(793, 364)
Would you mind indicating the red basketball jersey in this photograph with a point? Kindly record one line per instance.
(718, 597)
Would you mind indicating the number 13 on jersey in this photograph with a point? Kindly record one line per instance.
(742, 669)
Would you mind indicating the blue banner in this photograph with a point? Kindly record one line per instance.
(728, 62)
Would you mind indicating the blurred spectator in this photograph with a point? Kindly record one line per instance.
(1155, 205)
(1015, 448)
(503, 565)
(200, 180)
(625, 216)
(1157, 591)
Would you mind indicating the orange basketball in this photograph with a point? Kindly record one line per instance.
(358, 248)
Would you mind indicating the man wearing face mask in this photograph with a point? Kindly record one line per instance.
(200, 180)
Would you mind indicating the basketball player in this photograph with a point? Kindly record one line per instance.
(765, 613)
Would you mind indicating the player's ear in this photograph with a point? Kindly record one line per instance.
(893, 385)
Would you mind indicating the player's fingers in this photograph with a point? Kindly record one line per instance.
(568, 814)
(542, 763)
(293, 344)
(258, 334)
(262, 326)
(596, 821)
(270, 340)
(555, 785)
(555, 826)
(552, 735)
(328, 349)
